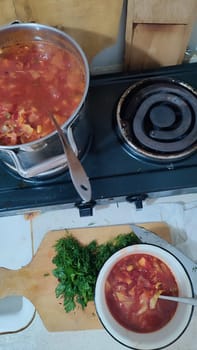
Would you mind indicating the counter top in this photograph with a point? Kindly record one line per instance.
(179, 212)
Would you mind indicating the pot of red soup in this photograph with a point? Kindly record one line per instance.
(43, 71)
(127, 297)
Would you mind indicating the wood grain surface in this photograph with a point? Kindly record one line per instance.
(157, 32)
(93, 24)
(37, 283)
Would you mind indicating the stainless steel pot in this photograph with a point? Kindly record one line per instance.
(42, 157)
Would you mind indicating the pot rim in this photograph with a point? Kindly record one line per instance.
(37, 26)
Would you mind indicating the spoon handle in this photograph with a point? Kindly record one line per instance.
(78, 175)
(191, 301)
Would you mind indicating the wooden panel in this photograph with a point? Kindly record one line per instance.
(155, 45)
(157, 32)
(164, 11)
(94, 24)
(7, 13)
(37, 283)
(129, 34)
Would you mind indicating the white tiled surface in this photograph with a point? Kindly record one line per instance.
(15, 242)
(179, 212)
(15, 252)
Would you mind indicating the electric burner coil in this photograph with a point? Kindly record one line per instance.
(157, 119)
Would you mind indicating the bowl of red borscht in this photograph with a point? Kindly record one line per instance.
(127, 297)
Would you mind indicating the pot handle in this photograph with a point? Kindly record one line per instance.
(49, 164)
(35, 170)
(16, 21)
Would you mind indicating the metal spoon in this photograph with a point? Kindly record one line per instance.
(78, 175)
(191, 301)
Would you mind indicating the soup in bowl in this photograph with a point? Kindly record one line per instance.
(127, 297)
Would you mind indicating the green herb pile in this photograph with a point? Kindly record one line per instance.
(77, 266)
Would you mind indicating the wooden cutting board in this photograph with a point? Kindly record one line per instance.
(37, 283)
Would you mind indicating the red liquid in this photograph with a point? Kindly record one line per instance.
(130, 289)
(36, 79)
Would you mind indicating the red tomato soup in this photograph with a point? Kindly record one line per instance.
(36, 79)
(132, 289)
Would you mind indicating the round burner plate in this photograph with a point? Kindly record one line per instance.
(157, 119)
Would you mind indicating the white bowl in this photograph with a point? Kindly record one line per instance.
(165, 335)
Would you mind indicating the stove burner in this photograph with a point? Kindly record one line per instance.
(157, 119)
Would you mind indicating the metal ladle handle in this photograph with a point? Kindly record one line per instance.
(187, 300)
(78, 175)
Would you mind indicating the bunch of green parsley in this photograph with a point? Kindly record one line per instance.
(78, 265)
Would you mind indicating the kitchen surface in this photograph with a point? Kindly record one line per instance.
(178, 212)
(142, 168)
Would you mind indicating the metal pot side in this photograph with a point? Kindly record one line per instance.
(27, 32)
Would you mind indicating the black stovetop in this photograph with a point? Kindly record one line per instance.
(114, 174)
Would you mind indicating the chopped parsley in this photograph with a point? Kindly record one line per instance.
(78, 265)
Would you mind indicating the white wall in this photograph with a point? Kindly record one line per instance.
(191, 53)
(111, 59)
(193, 39)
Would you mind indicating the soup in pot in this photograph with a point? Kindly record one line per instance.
(36, 79)
(132, 290)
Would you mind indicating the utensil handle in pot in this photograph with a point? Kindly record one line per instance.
(78, 175)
